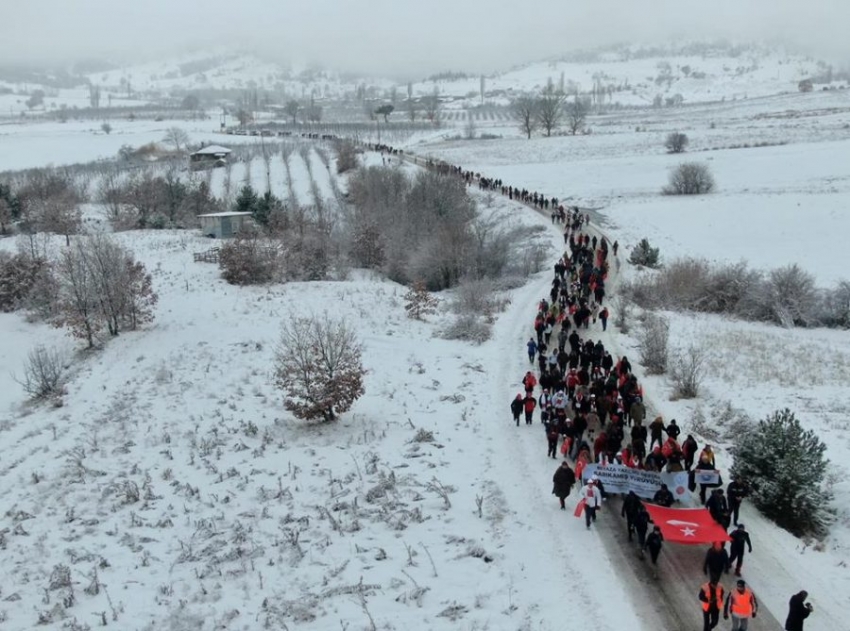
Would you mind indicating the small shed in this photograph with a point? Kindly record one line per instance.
(209, 157)
(225, 225)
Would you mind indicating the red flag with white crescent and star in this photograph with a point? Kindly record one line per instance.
(686, 525)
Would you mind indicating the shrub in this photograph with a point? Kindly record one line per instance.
(690, 178)
(346, 156)
(44, 372)
(789, 296)
(249, 260)
(785, 467)
(18, 274)
(676, 142)
(645, 255)
(418, 301)
(468, 328)
(686, 371)
(653, 343)
(318, 366)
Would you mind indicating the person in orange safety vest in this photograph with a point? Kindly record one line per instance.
(711, 595)
(742, 604)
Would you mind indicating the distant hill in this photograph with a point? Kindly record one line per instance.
(638, 75)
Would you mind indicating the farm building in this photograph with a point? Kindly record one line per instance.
(225, 225)
(209, 157)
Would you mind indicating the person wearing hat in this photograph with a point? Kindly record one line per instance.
(592, 498)
(739, 537)
(742, 604)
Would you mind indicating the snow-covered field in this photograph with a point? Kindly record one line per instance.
(246, 519)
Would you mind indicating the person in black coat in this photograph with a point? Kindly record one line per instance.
(653, 544)
(798, 611)
(740, 537)
(716, 561)
(719, 508)
(562, 482)
(663, 497)
(673, 430)
(631, 506)
(641, 526)
(516, 408)
(735, 493)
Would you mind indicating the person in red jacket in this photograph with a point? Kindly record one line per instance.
(529, 381)
(529, 403)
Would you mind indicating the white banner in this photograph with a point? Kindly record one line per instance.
(617, 478)
(705, 476)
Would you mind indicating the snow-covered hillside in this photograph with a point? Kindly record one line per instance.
(631, 76)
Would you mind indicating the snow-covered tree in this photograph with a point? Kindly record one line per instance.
(785, 469)
(318, 366)
(419, 302)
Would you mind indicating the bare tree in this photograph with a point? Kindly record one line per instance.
(59, 214)
(292, 108)
(176, 137)
(525, 112)
(318, 366)
(410, 106)
(577, 111)
(44, 372)
(676, 142)
(431, 105)
(551, 109)
(690, 178)
(101, 284)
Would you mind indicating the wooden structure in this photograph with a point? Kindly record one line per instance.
(209, 157)
(207, 256)
(225, 225)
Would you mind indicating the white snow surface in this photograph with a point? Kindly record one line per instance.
(186, 409)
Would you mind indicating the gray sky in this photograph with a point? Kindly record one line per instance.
(403, 37)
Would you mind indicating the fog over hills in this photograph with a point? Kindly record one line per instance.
(403, 39)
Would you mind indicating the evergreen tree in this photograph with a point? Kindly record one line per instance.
(247, 200)
(265, 207)
(419, 302)
(784, 466)
(645, 255)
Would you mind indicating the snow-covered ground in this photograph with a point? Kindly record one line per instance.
(247, 519)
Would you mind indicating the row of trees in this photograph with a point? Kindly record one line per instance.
(549, 111)
(787, 296)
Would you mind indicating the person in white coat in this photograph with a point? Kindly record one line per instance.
(592, 499)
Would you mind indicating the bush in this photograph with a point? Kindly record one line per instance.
(676, 142)
(249, 260)
(346, 156)
(44, 372)
(468, 328)
(318, 366)
(645, 255)
(653, 343)
(418, 301)
(686, 372)
(690, 178)
(18, 274)
(785, 468)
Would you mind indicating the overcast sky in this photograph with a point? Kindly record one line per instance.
(403, 37)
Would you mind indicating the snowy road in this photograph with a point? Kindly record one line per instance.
(604, 555)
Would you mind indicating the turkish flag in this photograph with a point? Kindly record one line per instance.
(579, 508)
(686, 525)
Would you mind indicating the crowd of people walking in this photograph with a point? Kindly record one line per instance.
(592, 410)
